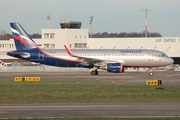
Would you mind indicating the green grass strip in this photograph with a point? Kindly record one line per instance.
(64, 91)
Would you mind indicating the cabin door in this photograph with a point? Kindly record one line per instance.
(41, 56)
(107, 56)
(150, 55)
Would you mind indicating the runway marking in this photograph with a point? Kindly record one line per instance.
(76, 106)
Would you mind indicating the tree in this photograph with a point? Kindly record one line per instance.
(124, 34)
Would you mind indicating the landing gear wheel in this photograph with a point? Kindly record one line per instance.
(151, 73)
(94, 72)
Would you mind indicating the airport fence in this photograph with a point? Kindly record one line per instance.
(38, 69)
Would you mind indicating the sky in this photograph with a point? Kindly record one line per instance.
(112, 16)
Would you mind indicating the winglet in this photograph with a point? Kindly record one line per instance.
(68, 51)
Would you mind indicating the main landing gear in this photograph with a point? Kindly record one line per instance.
(94, 72)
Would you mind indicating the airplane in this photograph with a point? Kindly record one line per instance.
(110, 60)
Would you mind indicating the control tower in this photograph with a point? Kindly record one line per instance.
(70, 25)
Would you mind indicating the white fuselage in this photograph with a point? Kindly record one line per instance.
(127, 57)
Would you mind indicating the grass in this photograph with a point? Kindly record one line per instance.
(64, 91)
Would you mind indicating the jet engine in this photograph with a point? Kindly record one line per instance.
(115, 67)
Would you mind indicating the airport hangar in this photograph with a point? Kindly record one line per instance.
(71, 34)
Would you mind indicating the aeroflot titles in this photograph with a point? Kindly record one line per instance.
(166, 40)
(131, 51)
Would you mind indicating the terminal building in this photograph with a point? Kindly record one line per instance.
(71, 34)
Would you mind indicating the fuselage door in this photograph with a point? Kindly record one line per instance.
(107, 56)
(150, 55)
(41, 56)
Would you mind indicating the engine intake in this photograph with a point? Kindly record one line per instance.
(115, 67)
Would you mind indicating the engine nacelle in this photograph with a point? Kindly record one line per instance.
(115, 67)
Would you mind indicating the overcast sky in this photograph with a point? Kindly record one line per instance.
(109, 15)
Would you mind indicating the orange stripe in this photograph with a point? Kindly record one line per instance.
(121, 68)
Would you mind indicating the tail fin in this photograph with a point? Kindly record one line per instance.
(21, 39)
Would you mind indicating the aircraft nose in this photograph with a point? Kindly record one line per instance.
(170, 61)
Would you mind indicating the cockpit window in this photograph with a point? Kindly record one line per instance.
(162, 55)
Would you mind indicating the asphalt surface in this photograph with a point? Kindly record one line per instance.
(167, 77)
(140, 109)
(122, 109)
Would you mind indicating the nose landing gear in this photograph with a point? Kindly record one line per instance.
(151, 73)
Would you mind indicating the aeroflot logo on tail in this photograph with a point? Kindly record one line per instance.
(22, 39)
(16, 33)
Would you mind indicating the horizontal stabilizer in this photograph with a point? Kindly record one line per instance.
(23, 54)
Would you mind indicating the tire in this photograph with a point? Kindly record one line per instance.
(94, 72)
(151, 73)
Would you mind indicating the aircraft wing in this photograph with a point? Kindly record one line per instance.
(85, 59)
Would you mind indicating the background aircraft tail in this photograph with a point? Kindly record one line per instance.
(21, 38)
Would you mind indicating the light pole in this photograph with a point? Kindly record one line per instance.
(90, 21)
